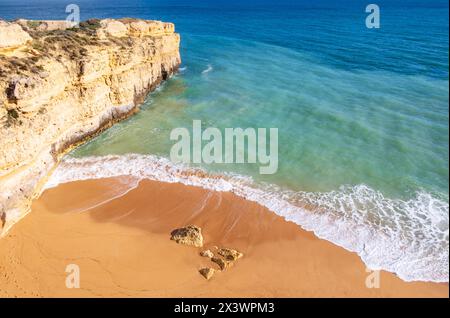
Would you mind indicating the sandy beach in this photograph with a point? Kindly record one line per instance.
(121, 242)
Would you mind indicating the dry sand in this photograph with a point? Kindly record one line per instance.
(122, 247)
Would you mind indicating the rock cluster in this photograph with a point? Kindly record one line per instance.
(191, 235)
(225, 259)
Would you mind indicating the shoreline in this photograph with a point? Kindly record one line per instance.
(120, 238)
(315, 215)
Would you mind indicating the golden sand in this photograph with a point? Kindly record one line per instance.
(121, 245)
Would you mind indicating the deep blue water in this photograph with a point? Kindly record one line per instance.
(413, 38)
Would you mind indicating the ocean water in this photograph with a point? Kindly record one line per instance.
(362, 116)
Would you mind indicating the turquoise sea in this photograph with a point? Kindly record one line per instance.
(362, 114)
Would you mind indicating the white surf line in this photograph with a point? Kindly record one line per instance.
(209, 69)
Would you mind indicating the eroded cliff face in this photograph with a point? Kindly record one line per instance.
(61, 85)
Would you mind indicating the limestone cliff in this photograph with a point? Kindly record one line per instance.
(60, 85)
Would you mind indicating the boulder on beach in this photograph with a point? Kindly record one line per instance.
(230, 254)
(223, 263)
(12, 35)
(207, 272)
(189, 235)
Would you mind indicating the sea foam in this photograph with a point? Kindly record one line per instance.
(407, 237)
(208, 69)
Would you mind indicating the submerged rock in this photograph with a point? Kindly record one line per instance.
(207, 272)
(189, 235)
(230, 254)
(207, 253)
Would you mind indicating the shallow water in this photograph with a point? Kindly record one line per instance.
(362, 116)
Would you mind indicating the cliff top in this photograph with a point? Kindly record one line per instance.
(27, 48)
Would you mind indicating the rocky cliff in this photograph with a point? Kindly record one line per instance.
(60, 85)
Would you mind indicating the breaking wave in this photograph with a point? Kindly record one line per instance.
(407, 237)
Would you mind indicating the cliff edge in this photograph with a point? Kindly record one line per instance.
(60, 85)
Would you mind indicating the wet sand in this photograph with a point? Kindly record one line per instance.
(121, 243)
